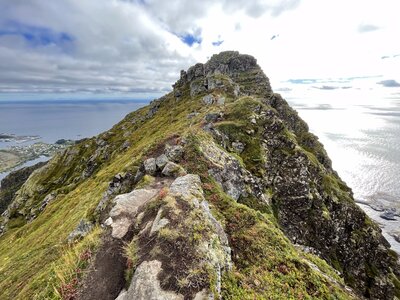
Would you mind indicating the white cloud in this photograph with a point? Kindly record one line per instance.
(134, 47)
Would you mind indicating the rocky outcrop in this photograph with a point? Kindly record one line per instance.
(228, 72)
(145, 284)
(83, 229)
(125, 209)
(181, 248)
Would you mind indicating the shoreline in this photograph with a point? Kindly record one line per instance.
(390, 227)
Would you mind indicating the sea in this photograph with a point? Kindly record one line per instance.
(360, 131)
(60, 119)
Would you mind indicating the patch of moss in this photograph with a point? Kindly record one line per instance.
(145, 181)
(335, 187)
(131, 254)
(16, 222)
(265, 261)
(396, 283)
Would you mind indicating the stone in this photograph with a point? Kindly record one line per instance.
(49, 198)
(195, 72)
(83, 229)
(125, 145)
(122, 295)
(158, 222)
(238, 146)
(213, 117)
(197, 87)
(188, 187)
(388, 215)
(172, 169)
(178, 93)
(221, 234)
(173, 153)
(208, 99)
(204, 294)
(192, 115)
(396, 236)
(146, 285)
(220, 100)
(150, 166)
(125, 208)
(138, 176)
(161, 161)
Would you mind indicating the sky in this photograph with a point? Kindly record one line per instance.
(105, 49)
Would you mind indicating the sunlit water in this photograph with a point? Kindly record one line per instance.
(361, 133)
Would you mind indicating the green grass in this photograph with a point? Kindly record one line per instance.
(29, 253)
(266, 265)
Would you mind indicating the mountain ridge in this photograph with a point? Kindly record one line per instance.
(237, 181)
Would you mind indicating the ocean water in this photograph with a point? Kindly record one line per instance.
(54, 120)
(361, 133)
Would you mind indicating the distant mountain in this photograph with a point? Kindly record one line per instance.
(216, 190)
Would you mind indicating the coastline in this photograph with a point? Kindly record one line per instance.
(390, 227)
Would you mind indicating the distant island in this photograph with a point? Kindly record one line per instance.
(4, 137)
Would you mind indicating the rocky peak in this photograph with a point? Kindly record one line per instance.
(224, 70)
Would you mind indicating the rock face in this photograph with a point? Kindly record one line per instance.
(12, 183)
(80, 231)
(126, 207)
(215, 191)
(145, 284)
(183, 212)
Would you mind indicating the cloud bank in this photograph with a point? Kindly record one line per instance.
(138, 47)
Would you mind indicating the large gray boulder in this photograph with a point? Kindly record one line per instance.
(146, 286)
(126, 207)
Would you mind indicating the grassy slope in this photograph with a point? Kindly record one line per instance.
(30, 254)
(35, 260)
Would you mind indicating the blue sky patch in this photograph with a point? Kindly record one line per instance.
(217, 43)
(190, 39)
(35, 36)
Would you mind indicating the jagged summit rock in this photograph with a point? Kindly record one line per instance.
(225, 70)
(223, 193)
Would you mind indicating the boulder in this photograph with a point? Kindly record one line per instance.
(146, 285)
(161, 161)
(125, 208)
(150, 166)
(238, 146)
(208, 99)
(173, 153)
(158, 222)
(172, 169)
(83, 229)
(213, 117)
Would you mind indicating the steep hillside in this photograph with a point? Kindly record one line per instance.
(216, 190)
